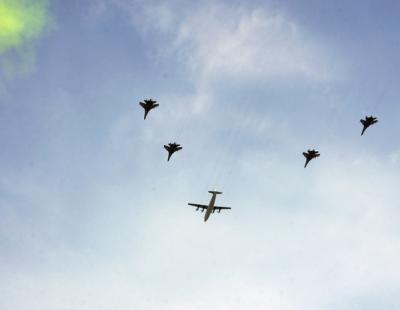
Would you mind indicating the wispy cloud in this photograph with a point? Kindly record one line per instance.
(286, 244)
(217, 40)
(214, 43)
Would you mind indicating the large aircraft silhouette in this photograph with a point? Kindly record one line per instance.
(211, 206)
(148, 105)
(368, 121)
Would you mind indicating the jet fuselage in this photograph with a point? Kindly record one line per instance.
(210, 207)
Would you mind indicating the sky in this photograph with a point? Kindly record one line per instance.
(93, 217)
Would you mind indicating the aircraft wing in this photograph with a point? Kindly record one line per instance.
(221, 208)
(198, 206)
(142, 104)
(166, 147)
(178, 148)
(155, 105)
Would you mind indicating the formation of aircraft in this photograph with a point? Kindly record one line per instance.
(150, 104)
(310, 154)
(368, 121)
(211, 207)
(172, 148)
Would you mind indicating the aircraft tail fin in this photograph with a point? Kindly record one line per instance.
(214, 192)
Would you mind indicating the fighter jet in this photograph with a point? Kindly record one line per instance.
(172, 148)
(311, 154)
(368, 121)
(148, 105)
(211, 207)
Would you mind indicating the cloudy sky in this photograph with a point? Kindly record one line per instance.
(93, 217)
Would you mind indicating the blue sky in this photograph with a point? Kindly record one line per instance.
(92, 215)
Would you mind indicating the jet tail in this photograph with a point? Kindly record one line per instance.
(362, 132)
(214, 192)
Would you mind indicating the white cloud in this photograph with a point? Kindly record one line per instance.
(217, 40)
(325, 240)
(245, 44)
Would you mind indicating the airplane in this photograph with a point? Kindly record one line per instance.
(148, 105)
(172, 148)
(211, 207)
(368, 121)
(311, 154)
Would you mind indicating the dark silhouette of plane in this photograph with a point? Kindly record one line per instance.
(148, 105)
(172, 148)
(311, 154)
(211, 207)
(368, 121)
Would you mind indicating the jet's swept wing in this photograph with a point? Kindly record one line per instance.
(220, 208)
(142, 104)
(155, 105)
(202, 207)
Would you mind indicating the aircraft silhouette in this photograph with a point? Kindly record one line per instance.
(172, 148)
(310, 154)
(368, 121)
(148, 105)
(211, 207)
